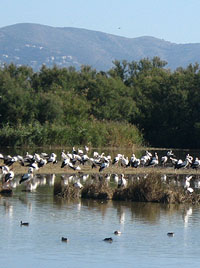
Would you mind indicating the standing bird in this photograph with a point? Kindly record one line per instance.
(44, 155)
(144, 160)
(104, 165)
(63, 155)
(86, 149)
(42, 162)
(116, 159)
(153, 161)
(183, 164)
(164, 160)
(174, 161)
(84, 159)
(28, 157)
(67, 162)
(34, 165)
(9, 176)
(80, 151)
(122, 182)
(136, 163)
(132, 160)
(195, 164)
(96, 155)
(52, 158)
(27, 176)
(74, 151)
(5, 169)
(9, 161)
(170, 154)
(124, 161)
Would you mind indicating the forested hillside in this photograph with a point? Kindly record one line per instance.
(35, 44)
(63, 106)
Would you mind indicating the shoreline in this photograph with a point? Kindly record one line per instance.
(87, 169)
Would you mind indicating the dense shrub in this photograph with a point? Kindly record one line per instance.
(65, 106)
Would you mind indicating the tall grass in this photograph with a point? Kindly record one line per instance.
(95, 133)
(150, 189)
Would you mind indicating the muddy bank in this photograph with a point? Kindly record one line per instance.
(56, 169)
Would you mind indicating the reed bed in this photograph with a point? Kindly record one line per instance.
(150, 189)
(98, 190)
(66, 192)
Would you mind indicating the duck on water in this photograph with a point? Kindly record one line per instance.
(24, 223)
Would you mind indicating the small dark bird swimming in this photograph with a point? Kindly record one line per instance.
(64, 239)
(24, 223)
(108, 239)
(117, 232)
(170, 234)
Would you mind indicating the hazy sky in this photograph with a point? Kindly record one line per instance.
(176, 21)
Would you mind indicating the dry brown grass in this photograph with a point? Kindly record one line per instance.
(66, 192)
(150, 189)
(98, 190)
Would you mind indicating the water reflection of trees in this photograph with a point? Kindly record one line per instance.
(135, 211)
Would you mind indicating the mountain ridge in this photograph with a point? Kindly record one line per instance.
(36, 44)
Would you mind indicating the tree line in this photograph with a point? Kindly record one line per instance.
(138, 102)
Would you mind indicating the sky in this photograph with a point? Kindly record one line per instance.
(176, 21)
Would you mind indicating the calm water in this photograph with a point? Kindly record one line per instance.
(143, 242)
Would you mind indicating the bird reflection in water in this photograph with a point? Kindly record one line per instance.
(187, 213)
(84, 177)
(72, 178)
(79, 206)
(13, 184)
(26, 202)
(8, 208)
(64, 180)
(51, 179)
(122, 218)
(32, 185)
(197, 182)
(43, 180)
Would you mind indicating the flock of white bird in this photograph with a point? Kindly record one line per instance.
(76, 159)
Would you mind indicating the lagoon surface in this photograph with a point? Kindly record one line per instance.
(143, 242)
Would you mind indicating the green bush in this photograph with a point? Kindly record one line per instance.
(95, 133)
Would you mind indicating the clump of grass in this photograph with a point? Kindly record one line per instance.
(153, 189)
(98, 190)
(149, 189)
(68, 191)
